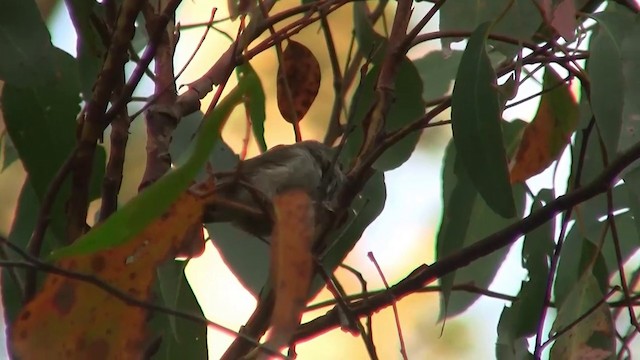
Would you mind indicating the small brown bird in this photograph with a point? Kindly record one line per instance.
(245, 194)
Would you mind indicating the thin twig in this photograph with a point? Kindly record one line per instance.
(403, 349)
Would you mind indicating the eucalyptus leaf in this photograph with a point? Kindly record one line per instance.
(180, 338)
(8, 152)
(594, 334)
(41, 122)
(520, 21)
(28, 58)
(254, 101)
(370, 44)
(466, 218)
(407, 108)
(364, 210)
(631, 74)
(475, 121)
(605, 71)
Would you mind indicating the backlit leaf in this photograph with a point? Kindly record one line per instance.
(25, 44)
(630, 132)
(298, 81)
(407, 108)
(70, 317)
(254, 101)
(605, 71)
(593, 337)
(291, 263)
(520, 21)
(466, 218)
(475, 121)
(546, 137)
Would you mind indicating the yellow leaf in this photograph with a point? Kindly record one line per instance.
(291, 263)
(71, 319)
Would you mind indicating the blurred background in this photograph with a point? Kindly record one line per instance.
(401, 238)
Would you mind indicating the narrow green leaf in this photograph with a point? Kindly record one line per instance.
(437, 70)
(90, 48)
(629, 135)
(25, 219)
(41, 122)
(180, 338)
(8, 152)
(605, 71)
(255, 102)
(520, 321)
(520, 21)
(475, 120)
(153, 201)
(364, 210)
(580, 239)
(632, 185)
(25, 44)
(407, 108)
(246, 255)
(511, 344)
(593, 335)
(370, 44)
(466, 218)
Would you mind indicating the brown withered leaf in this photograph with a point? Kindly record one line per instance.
(298, 81)
(70, 319)
(545, 138)
(291, 263)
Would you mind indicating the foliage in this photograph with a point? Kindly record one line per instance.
(76, 283)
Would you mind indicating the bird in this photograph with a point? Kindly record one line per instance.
(243, 196)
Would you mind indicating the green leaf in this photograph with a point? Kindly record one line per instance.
(90, 48)
(371, 45)
(605, 71)
(8, 152)
(520, 321)
(519, 22)
(180, 338)
(629, 135)
(246, 255)
(26, 215)
(255, 102)
(41, 122)
(364, 210)
(581, 238)
(593, 335)
(511, 342)
(466, 218)
(475, 121)
(25, 44)
(407, 108)
(437, 70)
(632, 185)
(154, 200)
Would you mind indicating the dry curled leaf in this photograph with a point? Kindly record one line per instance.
(298, 81)
(71, 319)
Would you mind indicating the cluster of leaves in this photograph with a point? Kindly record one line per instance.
(103, 280)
